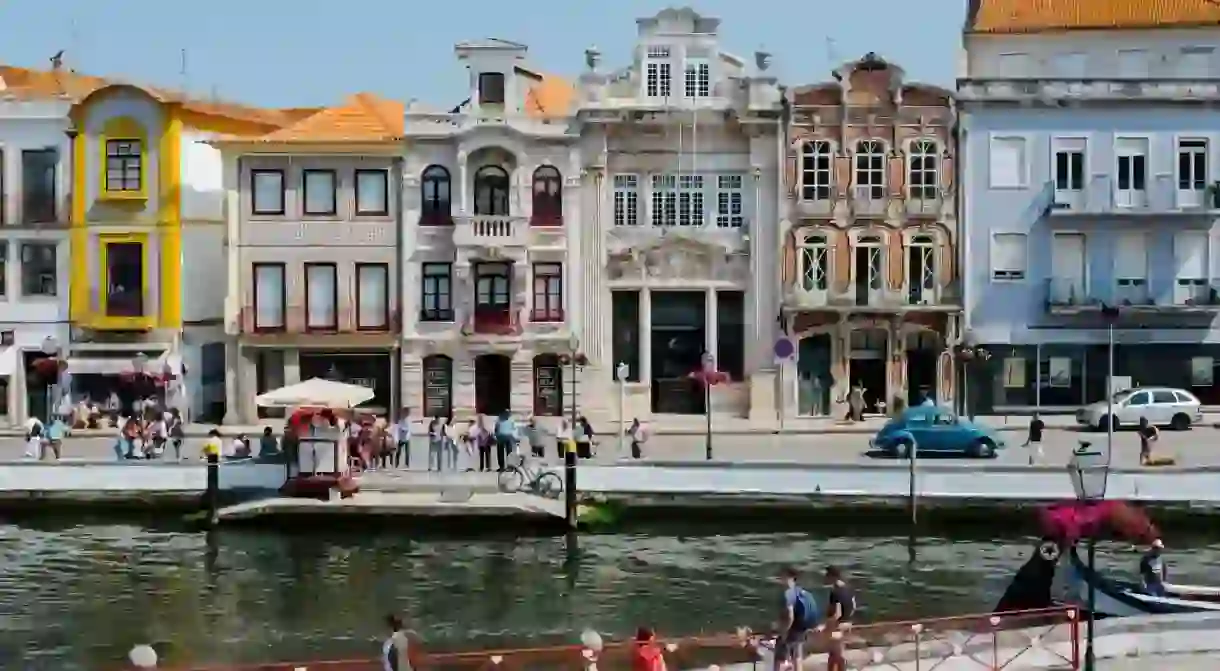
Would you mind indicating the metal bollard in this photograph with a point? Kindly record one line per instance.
(569, 487)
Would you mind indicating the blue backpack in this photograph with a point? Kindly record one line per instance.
(804, 610)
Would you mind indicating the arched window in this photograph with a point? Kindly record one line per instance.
(491, 191)
(921, 270)
(436, 196)
(816, 174)
(923, 178)
(869, 266)
(813, 263)
(870, 170)
(548, 197)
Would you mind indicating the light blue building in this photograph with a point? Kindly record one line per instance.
(1089, 179)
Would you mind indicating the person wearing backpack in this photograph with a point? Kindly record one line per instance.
(798, 616)
(506, 438)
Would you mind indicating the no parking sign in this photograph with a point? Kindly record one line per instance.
(784, 350)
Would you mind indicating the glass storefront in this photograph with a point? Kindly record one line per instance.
(1020, 378)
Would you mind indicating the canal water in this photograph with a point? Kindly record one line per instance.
(78, 597)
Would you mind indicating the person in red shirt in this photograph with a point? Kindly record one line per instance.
(646, 654)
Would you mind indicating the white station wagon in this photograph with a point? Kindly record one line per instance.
(1177, 409)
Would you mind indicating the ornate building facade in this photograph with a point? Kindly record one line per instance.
(682, 174)
(869, 276)
(491, 203)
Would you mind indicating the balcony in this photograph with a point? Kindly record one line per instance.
(1069, 296)
(294, 321)
(1196, 295)
(492, 231)
(493, 322)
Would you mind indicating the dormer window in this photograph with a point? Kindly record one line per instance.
(698, 78)
(491, 88)
(658, 73)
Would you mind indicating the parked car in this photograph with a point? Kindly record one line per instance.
(1177, 409)
(939, 430)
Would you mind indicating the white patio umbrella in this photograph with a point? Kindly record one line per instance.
(316, 393)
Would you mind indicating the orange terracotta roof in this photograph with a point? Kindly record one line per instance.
(364, 117)
(33, 84)
(549, 97)
(1034, 16)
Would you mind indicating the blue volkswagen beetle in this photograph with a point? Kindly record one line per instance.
(937, 430)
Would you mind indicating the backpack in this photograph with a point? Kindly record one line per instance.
(804, 610)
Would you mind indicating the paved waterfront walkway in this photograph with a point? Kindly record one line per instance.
(1194, 448)
(1188, 662)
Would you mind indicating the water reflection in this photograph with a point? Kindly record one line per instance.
(79, 597)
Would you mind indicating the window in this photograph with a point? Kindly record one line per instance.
(923, 176)
(1196, 62)
(698, 78)
(3, 268)
(491, 88)
(625, 325)
(270, 297)
(438, 386)
(436, 293)
(816, 172)
(1009, 256)
(321, 297)
(123, 166)
(548, 292)
(1007, 163)
(491, 191)
(664, 200)
(870, 169)
(1131, 266)
(492, 281)
(1192, 165)
(1190, 260)
(626, 200)
(1069, 164)
(657, 74)
(38, 269)
(921, 270)
(38, 185)
(372, 193)
(548, 197)
(730, 210)
(1133, 64)
(319, 192)
(372, 296)
(690, 200)
(267, 192)
(731, 333)
(124, 278)
(435, 197)
(813, 263)
(1132, 164)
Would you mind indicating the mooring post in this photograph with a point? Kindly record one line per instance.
(569, 487)
(913, 499)
(211, 498)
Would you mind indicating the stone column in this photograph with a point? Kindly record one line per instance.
(463, 383)
(292, 366)
(232, 382)
(16, 388)
(840, 369)
(247, 387)
(521, 400)
(463, 291)
(411, 383)
(519, 291)
(711, 335)
(463, 184)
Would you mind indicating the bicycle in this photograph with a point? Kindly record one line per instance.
(520, 475)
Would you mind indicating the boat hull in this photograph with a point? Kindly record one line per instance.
(1119, 598)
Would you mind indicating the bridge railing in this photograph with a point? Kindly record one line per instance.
(1045, 638)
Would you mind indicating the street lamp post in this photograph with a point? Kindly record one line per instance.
(621, 371)
(574, 360)
(708, 376)
(1089, 469)
(1110, 313)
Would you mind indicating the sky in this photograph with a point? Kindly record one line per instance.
(305, 52)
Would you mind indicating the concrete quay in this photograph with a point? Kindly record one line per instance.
(445, 507)
(1178, 642)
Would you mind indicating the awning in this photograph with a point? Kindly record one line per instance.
(83, 366)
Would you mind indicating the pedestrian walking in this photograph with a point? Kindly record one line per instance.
(402, 439)
(506, 438)
(840, 612)
(55, 437)
(798, 616)
(436, 438)
(451, 443)
(1149, 434)
(638, 436)
(1033, 440)
(177, 432)
(584, 438)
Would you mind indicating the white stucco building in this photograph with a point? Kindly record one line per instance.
(34, 255)
(679, 245)
(491, 265)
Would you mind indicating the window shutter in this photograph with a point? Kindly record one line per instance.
(1190, 253)
(1132, 257)
(1005, 162)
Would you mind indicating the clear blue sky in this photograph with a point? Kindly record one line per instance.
(305, 52)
